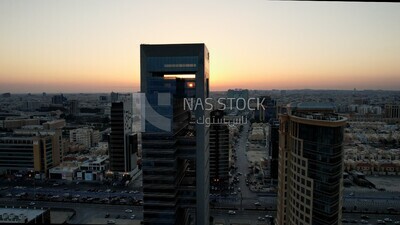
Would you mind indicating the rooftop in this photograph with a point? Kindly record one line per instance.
(18, 215)
(312, 106)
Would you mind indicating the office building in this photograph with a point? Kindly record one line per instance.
(310, 183)
(19, 122)
(266, 111)
(392, 111)
(175, 146)
(24, 153)
(123, 143)
(219, 152)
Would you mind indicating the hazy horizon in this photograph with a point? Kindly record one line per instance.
(69, 46)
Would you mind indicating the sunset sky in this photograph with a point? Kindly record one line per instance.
(93, 45)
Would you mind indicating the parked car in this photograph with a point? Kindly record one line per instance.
(231, 212)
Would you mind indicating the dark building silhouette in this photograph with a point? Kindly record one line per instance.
(219, 152)
(267, 110)
(175, 147)
(123, 143)
(58, 99)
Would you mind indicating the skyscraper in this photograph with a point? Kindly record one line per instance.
(310, 165)
(219, 152)
(175, 147)
(123, 141)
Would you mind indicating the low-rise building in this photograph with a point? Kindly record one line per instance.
(24, 215)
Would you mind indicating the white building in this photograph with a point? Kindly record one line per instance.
(85, 136)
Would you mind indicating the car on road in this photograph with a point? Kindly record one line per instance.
(110, 221)
(257, 204)
(388, 220)
(133, 217)
(231, 212)
(239, 190)
(261, 218)
(32, 203)
(128, 210)
(363, 221)
(380, 222)
(268, 216)
(365, 217)
(9, 195)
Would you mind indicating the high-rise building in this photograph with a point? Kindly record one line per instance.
(175, 149)
(123, 143)
(310, 183)
(219, 152)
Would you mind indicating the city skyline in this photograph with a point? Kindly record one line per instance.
(65, 47)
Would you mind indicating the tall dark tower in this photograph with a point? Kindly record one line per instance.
(310, 183)
(219, 152)
(175, 148)
(123, 143)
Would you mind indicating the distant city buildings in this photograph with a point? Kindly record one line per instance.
(18, 123)
(266, 111)
(58, 99)
(237, 101)
(84, 136)
(310, 184)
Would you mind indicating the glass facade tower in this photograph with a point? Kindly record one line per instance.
(310, 183)
(175, 147)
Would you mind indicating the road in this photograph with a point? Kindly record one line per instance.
(248, 196)
(84, 212)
